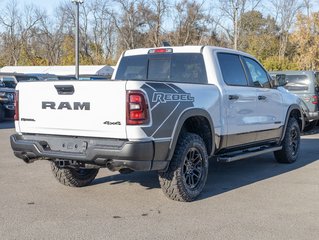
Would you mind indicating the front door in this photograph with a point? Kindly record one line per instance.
(269, 102)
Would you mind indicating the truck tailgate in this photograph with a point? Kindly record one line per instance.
(73, 108)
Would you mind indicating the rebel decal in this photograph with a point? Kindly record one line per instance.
(172, 97)
(167, 102)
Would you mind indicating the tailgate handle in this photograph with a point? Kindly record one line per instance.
(64, 89)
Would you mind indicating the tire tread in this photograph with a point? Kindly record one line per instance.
(171, 180)
(68, 178)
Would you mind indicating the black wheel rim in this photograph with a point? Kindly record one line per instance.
(193, 168)
(294, 141)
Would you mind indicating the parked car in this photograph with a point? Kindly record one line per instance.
(305, 84)
(81, 77)
(59, 77)
(10, 80)
(6, 102)
(94, 77)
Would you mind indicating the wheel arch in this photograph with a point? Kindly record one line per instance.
(204, 128)
(294, 111)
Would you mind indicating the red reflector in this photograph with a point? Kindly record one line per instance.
(16, 106)
(314, 99)
(136, 115)
(135, 99)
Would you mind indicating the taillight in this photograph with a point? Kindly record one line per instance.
(137, 108)
(16, 106)
(315, 99)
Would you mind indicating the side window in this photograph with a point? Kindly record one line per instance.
(232, 69)
(258, 74)
(133, 68)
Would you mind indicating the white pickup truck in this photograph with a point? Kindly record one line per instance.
(167, 109)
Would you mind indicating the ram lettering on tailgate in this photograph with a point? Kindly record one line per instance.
(66, 105)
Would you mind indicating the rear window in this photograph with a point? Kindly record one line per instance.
(297, 82)
(176, 67)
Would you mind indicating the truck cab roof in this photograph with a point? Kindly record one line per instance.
(182, 49)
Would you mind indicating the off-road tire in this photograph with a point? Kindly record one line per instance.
(291, 143)
(189, 160)
(73, 177)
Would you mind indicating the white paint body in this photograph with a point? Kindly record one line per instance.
(108, 103)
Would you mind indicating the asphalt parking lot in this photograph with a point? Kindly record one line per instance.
(255, 198)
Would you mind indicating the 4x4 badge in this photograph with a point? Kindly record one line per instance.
(112, 123)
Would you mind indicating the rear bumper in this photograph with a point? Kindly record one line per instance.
(115, 154)
(310, 116)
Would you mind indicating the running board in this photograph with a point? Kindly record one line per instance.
(247, 154)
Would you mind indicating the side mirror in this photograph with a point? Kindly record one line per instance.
(279, 80)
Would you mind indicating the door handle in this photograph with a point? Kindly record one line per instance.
(262, 97)
(233, 97)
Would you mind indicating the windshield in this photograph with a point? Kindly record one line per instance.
(178, 67)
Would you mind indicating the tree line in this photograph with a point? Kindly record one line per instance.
(282, 34)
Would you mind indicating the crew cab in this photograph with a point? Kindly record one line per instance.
(167, 109)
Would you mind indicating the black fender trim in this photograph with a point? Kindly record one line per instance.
(290, 109)
(180, 122)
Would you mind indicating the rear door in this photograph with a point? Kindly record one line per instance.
(76, 108)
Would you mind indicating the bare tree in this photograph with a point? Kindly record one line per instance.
(19, 29)
(308, 6)
(190, 23)
(51, 36)
(10, 20)
(153, 14)
(286, 11)
(32, 17)
(232, 10)
(103, 31)
(129, 23)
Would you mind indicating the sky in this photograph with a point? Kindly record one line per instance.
(49, 5)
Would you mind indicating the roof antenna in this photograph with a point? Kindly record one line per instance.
(165, 44)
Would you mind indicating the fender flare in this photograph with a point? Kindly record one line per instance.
(290, 109)
(180, 122)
